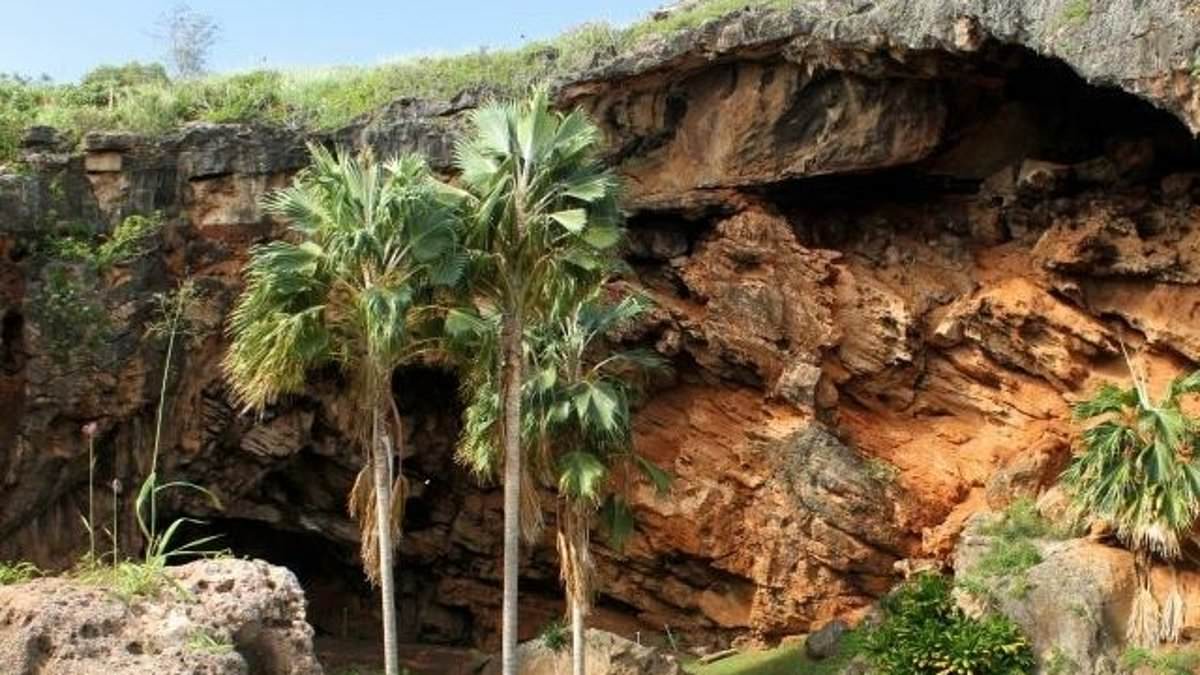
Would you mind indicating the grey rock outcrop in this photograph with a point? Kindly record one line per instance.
(1074, 603)
(607, 654)
(217, 617)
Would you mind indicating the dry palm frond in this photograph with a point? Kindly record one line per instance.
(361, 505)
(576, 568)
(1172, 613)
(533, 521)
(1143, 629)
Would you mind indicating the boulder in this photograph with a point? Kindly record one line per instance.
(1074, 604)
(607, 654)
(217, 617)
(825, 642)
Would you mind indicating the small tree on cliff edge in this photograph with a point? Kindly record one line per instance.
(541, 228)
(371, 239)
(1139, 475)
(188, 36)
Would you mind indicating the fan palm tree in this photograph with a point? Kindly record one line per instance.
(369, 240)
(1139, 475)
(575, 427)
(584, 397)
(541, 229)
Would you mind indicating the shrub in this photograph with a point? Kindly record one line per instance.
(105, 85)
(922, 631)
(19, 103)
(555, 635)
(129, 239)
(243, 97)
(17, 572)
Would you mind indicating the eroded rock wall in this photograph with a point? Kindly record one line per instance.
(889, 245)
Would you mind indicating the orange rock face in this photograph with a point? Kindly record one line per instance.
(881, 276)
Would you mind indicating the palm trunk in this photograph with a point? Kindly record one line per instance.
(576, 576)
(380, 456)
(578, 651)
(511, 336)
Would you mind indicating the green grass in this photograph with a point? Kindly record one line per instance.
(788, 660)
(133, 579)
(1021, 520)
(1007, 558)
(1011, 553)
(203, 642)
(1161, 661)
(1077, 11)
(138, 98)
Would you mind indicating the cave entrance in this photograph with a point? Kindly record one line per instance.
(340, 601)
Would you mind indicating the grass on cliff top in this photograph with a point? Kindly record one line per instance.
(139, 98)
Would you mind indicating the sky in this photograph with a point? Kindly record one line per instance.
(66, 38)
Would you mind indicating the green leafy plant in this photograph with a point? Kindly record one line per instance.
(1009, 560)
(175, 322)
(128, 580)
(583, 394)
(1138, 474)
(16, 572)
(105, 85)
(576, 422)
(148, 576)
(555, 635)
(922, 631)
(130, 239)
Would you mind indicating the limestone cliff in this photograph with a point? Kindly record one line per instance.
(890, 243)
